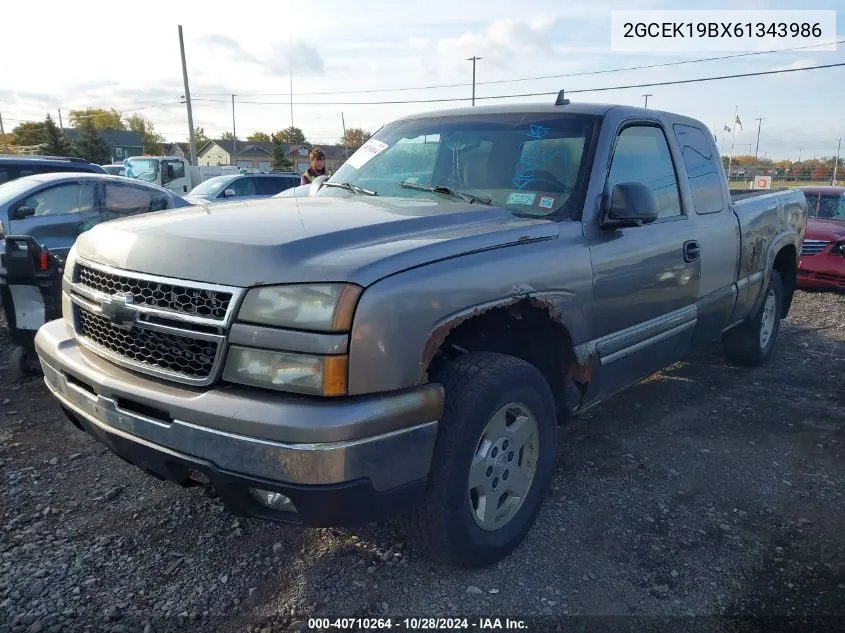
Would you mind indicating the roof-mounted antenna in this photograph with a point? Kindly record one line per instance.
(561, 99)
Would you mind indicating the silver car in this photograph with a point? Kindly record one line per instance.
(241, 186)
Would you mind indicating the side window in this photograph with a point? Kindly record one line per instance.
(243, 187)
(5, 175)
(128, 200)
(703, 173)
(642, 155)
(61, 199)
(178, 169)
(271, 186)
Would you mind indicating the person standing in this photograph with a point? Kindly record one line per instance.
(317, 168)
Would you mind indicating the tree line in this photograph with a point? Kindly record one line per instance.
(811, 169)
(47, 138)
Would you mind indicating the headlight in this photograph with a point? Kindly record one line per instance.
(317, 375)
(320, 307)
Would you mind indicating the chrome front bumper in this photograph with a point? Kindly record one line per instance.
(387, 439)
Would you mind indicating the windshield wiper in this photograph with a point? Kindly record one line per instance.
(350, 187)
(467, 197)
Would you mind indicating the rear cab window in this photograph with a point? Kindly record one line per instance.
(703, 173)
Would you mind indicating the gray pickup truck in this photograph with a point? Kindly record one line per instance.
(405, 341)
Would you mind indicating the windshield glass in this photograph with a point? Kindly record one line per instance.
(825, 205)
(211, 186)
(145, 169)
(532, 164)
(14, 188)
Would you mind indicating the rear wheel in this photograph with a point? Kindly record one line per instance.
(492, 463)
(752, 343)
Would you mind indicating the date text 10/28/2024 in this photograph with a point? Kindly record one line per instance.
(417, 624)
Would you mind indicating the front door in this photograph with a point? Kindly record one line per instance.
(646, 278)
(55, 215)
(173, 176)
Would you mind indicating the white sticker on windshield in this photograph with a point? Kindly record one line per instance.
(546, 202)
(517, 197)
(366, 153)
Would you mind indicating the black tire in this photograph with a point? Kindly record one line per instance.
(23, 363)
(742, 344)
(477, 385)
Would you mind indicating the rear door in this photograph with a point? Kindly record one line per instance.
(706, 195)
(56, 214)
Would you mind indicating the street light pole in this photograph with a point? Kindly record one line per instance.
(757, 149)
(473, 59)
(234, 133)
(836, 162)
(192, 135)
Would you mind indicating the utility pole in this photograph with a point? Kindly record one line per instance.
(290, 65)
(191, 134)
(646, 99)
(6, 144)
(473, 59)
(733, 138)
(757, 149)
(61, 125)
(799, 154)
(234, 134)
(835, 163)
(345, 144)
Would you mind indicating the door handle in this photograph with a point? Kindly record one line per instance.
(691, 251)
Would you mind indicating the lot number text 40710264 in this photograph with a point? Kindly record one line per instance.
(417, 624)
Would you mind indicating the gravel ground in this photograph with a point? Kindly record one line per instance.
(704, 491)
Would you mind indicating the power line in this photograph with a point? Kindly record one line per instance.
(546, 94)
(532, 78)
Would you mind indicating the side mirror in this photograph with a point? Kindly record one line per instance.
(629, 204)
(316, 184)
(22, 212)
(228, 193)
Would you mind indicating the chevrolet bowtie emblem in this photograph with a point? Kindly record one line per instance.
(120, 310)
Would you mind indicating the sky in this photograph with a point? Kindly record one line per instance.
(126, 56)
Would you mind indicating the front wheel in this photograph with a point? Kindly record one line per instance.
(752, 343)
(493, 461)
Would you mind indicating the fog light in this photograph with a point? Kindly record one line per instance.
(273, 500)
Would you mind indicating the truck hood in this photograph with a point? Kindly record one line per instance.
(314, 239)
(827, 230)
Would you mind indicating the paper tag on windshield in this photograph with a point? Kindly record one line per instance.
(546, 202)
(366, 153)
(518, 197)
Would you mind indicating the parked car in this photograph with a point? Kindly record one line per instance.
(405, 345)
(115, 169)
(14, 166)
(822, 263)
(234, 186)
(55, 208)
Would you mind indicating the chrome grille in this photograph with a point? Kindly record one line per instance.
(168, 328)
(211, 304)
(813, 247)
(190, 357)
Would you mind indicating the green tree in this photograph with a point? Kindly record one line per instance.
(101, 118)
(199, 137)
(152, 141)
(56, 142)
(259, 137)
(228, 136)
(90, 145)
(355, 137)
(280, 161)
(292, 135)
(29, 133)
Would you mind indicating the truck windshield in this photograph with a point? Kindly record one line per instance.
(828, 206)
(143, 169)
(533, 164)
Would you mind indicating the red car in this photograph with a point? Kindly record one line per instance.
(822, 263)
